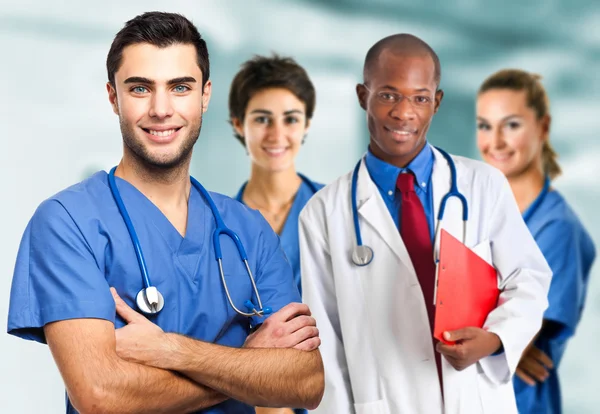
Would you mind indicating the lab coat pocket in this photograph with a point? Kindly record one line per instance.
(374, 407)
(496, 398)
(484, 250)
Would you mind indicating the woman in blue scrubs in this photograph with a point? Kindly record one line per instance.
(513, 126)
(271, 103)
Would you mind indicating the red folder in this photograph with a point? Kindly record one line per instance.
(467, 288)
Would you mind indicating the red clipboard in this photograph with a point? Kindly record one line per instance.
(467, 288)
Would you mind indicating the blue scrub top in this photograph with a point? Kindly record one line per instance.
(289, 233)
(76, 246)
(570, 252)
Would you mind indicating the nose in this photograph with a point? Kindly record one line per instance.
(161, 106)
(402, 110)
(276, 130)
(497, 139)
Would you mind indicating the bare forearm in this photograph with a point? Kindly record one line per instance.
(133, 388)
(272, 377)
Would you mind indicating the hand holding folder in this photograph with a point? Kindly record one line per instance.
(467, 288)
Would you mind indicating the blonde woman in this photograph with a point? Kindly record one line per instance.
(513, 134)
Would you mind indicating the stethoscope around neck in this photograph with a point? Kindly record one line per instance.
(149, 300)
(362, 254)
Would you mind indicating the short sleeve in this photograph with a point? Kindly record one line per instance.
(275, 278)
(559, 242)
(56, 276)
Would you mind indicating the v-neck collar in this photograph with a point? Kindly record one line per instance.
(293, 210)
(186, 249)
(297, 205)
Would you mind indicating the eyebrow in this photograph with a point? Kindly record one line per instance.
(146, 81)
(506, 118)
(267, 112)
(396, 90)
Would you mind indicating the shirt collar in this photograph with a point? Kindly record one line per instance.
(384, 175)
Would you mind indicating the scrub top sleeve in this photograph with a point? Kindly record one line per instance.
(560, 245)
(274, 276)
(56, 276)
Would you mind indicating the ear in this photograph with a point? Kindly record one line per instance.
(363, 94)
(439, 95)
(307, 126)
(112, 97)
(206, 93)
(545, 124)
(238, 126)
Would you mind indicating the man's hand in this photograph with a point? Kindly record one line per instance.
(291, 327)
(470, 345)
(140, 340)
(534, 365)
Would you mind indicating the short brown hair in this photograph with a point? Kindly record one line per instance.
(537, 99)
(159, 29)
(263, 72)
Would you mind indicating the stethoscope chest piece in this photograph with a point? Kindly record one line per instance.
(362, 255)
(144, 299)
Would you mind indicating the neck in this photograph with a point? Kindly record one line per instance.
(527, 185)
(400, 161)
(167, 188)
(272, 189)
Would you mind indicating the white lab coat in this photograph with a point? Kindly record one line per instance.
(376, 340)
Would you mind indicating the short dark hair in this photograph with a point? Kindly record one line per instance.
(159, 29)
(402, 43)
(263, 72)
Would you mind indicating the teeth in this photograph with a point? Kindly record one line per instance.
(162, 133)
(500, 157)
(275, 151)
(399, 132)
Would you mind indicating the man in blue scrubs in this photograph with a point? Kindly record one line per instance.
(186, 358)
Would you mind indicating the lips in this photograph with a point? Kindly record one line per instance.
(275, 152)
(401, 133)
(502, 157)
(163, 135)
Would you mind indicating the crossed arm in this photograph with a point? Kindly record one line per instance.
(131, 369)
(98, 381)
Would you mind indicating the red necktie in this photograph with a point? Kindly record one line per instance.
(414, 230)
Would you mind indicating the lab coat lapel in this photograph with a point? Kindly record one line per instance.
(373, 210)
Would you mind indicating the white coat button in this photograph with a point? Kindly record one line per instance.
(390, 193)
(423, 184)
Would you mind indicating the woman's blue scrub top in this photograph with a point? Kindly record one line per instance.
(290, 239)
(570, 252)
(77, 246)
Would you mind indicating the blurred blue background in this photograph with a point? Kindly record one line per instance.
(58, 125)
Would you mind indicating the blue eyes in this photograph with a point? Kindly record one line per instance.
(181, 88)
(140, 90)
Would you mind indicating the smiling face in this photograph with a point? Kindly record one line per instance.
(400, 99)
(159, 99)
(273, 129)
(509, 135)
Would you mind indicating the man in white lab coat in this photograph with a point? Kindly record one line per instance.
(376, 320)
